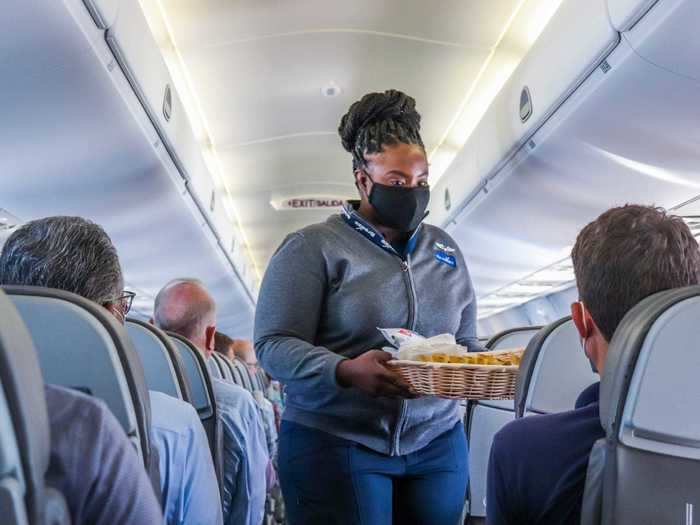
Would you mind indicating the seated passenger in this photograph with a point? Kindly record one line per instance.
(72, 254)
(92, 462)
(223, 344)
(243, 351)
(185, 307)
(537, 468)
(187, 478)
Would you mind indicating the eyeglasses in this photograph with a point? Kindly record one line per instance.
(125, 301)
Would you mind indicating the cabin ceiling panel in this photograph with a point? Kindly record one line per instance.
(270, 88)
(215, 23)
(303, 162)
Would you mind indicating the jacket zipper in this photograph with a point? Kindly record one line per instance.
(412, 316)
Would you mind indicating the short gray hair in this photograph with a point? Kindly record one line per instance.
(177, 311)
(67, 253)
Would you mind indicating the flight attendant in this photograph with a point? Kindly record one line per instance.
(356, 445)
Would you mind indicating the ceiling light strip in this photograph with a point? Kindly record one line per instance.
(475, 82)
(198, 112)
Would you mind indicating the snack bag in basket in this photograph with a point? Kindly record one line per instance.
(400, 336)
(438, 349)
(414, 347)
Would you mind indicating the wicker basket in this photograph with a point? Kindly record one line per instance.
(459, 381)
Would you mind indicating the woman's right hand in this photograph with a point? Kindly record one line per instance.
(369, 373)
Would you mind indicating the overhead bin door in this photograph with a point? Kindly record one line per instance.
(576, 40)
(137, 47)
(139, 55)
(668, 37)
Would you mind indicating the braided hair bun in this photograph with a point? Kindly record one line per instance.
(376, 120)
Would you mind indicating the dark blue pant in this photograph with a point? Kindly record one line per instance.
(330, 481)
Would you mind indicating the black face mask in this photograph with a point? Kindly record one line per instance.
(399, 207)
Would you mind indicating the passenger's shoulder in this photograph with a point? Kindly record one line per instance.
(532, 430)
(65, 402)
(77, 419)
(169, 413)
(231, 393)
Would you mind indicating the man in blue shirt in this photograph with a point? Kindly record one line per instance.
(537, 469)
(185, 307)
(187, 478)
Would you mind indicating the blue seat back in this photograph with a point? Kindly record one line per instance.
(554, 371)
(203, 398)
(486, 418)
(647, 468)
(81, 345)
(161, 361)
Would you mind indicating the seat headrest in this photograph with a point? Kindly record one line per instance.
(653, 360)
(512, 338)
(246, 376)
(214, 369)
(197, 372)
(553, 372)
(23, 389)
(161, 361)
(101, 354)
(224, 367)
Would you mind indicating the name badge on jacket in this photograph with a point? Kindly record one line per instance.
(444, 254)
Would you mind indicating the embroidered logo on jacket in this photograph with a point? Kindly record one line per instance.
(444, 248)
(444, 254)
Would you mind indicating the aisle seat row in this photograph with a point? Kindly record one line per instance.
(25, 498)
(80, 345)
(74, 343)
(163, 357)
(645, 469)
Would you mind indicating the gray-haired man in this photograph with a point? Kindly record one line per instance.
(92, 462)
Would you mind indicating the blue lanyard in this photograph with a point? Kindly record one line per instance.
(367, 230)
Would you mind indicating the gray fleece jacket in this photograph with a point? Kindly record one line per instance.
(326, 290)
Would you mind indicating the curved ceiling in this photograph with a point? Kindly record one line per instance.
(257, 69)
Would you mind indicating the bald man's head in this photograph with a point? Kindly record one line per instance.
(185, 307)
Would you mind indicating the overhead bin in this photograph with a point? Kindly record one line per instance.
(668, 37)
(134, 45)
(628, 133)
(574, 43)
(625, 13)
